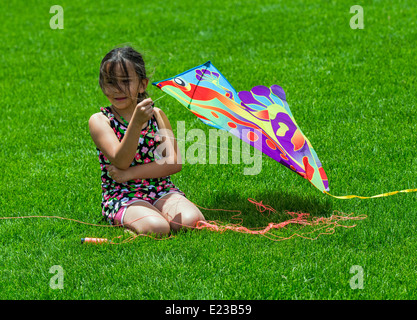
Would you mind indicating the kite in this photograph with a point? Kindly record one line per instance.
(260, 117)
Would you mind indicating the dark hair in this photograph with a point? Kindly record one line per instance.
(121, 56)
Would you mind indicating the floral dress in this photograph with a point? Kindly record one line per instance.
(114, 194)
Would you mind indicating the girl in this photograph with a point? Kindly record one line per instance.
(137, 191)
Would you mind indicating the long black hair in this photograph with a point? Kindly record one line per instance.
(121, 56)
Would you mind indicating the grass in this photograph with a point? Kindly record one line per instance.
(353, 93)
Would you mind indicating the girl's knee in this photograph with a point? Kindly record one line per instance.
(152, 225)
(193, 216)
(187, 218)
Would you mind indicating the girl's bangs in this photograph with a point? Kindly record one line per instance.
(108, 72)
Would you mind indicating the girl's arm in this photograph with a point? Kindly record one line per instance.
(169, 164)
(120, 154)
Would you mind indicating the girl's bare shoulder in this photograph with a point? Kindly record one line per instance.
(160, 113)
(161, 118)
(98, 118)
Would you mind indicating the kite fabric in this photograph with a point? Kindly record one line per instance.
(260, 117)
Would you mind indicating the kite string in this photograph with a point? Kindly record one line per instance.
(261, 207)
(57, 217)
(159, 98)
(302, 219)
(97, 240)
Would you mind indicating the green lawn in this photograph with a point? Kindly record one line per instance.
(352, 92)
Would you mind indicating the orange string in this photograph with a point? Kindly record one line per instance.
(302, 219)
(328, 225)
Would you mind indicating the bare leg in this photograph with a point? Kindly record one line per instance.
(180, 212)
(143, 218)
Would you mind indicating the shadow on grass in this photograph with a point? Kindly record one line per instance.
(253, 215)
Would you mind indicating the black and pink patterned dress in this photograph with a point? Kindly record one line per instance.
(114, 194)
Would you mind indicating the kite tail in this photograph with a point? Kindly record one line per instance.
(387, 194)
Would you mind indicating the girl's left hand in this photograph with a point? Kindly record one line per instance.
(117, 174)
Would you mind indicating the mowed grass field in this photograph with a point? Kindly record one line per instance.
(352, 92)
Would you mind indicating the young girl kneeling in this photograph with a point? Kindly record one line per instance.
(137, 191)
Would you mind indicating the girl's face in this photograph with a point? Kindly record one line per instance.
(123, 89)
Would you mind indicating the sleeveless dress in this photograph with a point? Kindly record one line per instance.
(116, 195)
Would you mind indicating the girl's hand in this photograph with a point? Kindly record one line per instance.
(144, 110)
(118, 175)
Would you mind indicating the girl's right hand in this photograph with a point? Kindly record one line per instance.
(144, 110)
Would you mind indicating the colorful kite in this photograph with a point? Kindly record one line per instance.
(260, 117)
